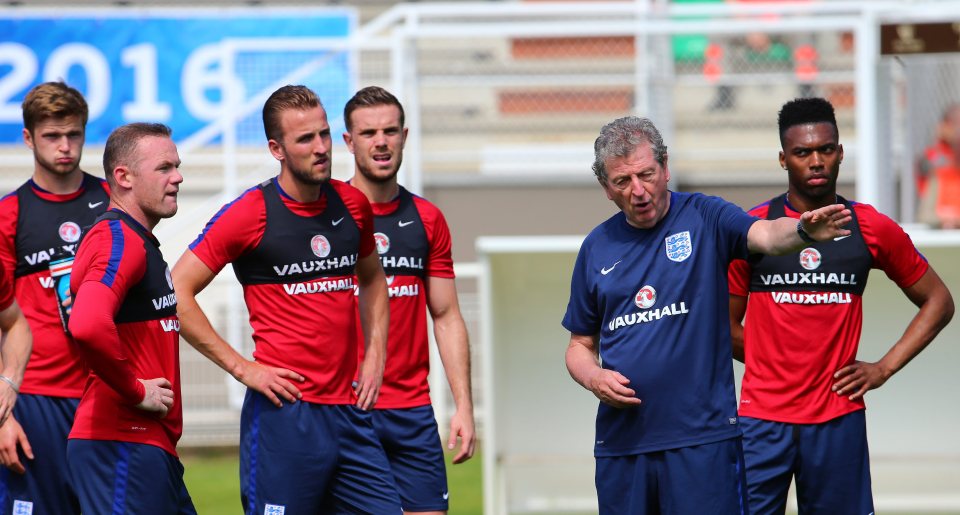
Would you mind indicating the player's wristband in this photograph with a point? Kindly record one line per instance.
(10, 382)
(803, 234)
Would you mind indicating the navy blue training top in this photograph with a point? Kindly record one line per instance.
(658, 299)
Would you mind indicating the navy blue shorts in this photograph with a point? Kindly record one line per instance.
(830, 462)
(312, 458)
(112, 477)
(704, 479)
(412, 442)
(45, 488)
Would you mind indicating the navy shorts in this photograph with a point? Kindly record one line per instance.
(45, 488)
(412, 442)
(112, 477)
(830, 462)
(704, 479)
(312, 458)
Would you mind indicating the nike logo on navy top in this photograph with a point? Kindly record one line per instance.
(337, 221)
(605, 271)
(401, 223)
(838, 238)
(92, 205)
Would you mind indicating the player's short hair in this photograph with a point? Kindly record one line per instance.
(121, 145)
(370, 96)
(803, 111)
(287, 97)
(621, 137)
(52, 100)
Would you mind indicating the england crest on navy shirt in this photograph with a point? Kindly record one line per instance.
(679, 246)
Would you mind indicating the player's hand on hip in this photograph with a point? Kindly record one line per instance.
(462, 426)
(611, 388)
(857, 379)
(274, 383)
(12, 437)
(157, 396)
(368, 383)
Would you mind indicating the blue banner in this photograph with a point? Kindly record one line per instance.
(164, 65)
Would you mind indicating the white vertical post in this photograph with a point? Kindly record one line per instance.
(641, 60)
(414, 148)
(867, 49)
(232, 102)
(494, 495)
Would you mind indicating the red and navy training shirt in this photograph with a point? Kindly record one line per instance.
(413, 241)
(807, 323)
(296, 263)
(37, 227)
(125, 322)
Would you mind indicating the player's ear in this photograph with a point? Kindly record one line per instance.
(123, 176)
(348, 140)
(28, 138)
(276, 149)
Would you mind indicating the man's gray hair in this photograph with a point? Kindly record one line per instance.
(621, 137)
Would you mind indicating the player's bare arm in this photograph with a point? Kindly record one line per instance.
(15, 352)
(375, 319)
(584, 366)
(780, 236)
(453, 343)
(190, 277)
(936, 309)
(738, 308)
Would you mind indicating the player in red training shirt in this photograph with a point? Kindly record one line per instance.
(15, 350)
(298, 244)
(122, 454)
(413, 241)
(40, 226)
(801, 404)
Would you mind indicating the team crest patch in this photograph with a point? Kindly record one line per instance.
(22, 507)
(679, 246)
(274, 509)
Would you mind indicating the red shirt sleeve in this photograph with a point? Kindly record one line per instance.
(6, 289)
(738, 274)
(738, 278)
(893, 250)
(362, 213)
(110, 260)
(235, 230)
(440, 260)
(9, 210)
